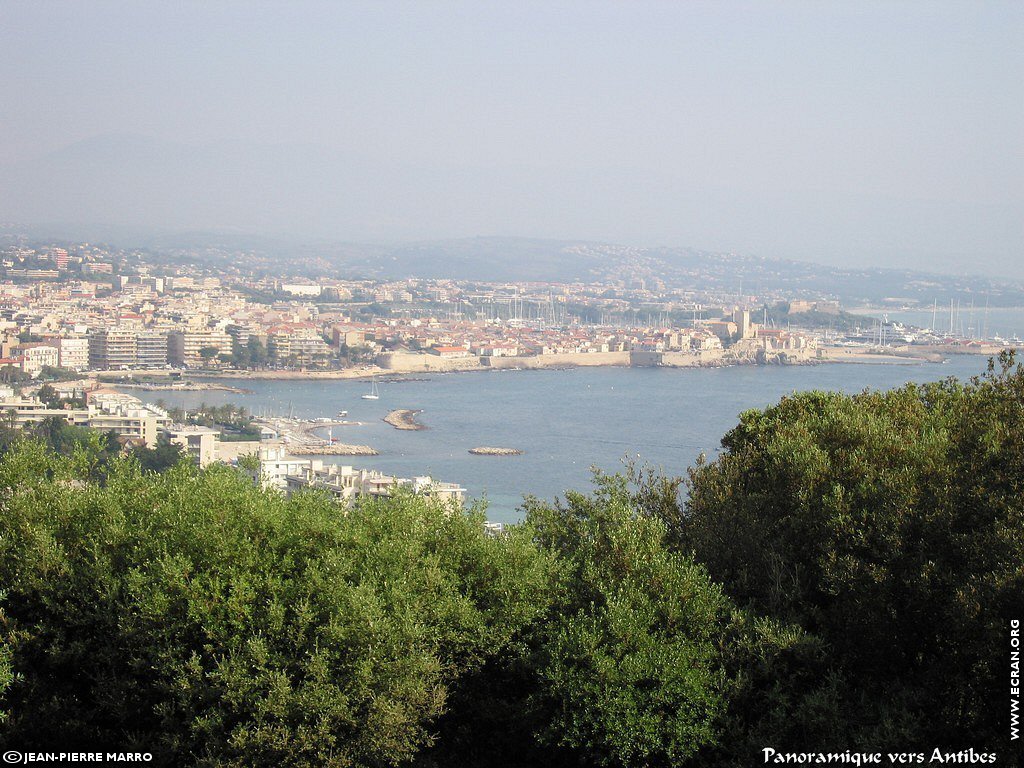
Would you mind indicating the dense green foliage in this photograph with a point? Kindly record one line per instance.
(52, 373)
(194, 616)
(253, 354)
(887, 526)
(631, 634)
(234, 421)
(57, 436)
(10, 374)
(841, 576)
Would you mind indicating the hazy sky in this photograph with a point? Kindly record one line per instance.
(860, 132)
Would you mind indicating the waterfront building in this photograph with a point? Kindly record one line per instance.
(449, 352)
(186, 347)
(151, 349)
(112, 348)
(19, 411)
(240, 334)
(274, 466)
(346, 483)
(276, 469)
(300, 343)
(123, 415)
(725, 330)
(127, 417)
(744, 328)
(73, 352)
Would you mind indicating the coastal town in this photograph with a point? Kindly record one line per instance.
(92, 309)
(85, 328)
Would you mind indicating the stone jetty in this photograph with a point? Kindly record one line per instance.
(404, 419)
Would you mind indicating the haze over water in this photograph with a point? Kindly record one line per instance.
(565, 420)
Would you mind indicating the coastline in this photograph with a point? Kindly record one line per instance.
(905, 355)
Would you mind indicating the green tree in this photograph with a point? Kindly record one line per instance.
(48, 395)
(10, 374)
(624, 666)
(257, 353)
(194, 616)
(50, 373)
(887, 526)
(209, 353)
(239, 355)
(159, 458)
(630, 666)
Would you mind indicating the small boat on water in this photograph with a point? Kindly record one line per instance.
(373, 394)
(342, 414)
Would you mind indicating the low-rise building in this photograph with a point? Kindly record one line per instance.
(36, 356)
(200, 443)
(127, 417)
(449, 352)
(274, 466)
(19, 411)
(345, 483)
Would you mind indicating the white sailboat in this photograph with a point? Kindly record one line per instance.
(373, 394)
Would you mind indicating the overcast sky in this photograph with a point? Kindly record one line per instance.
(858, 133)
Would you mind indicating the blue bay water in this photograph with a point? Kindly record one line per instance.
(565, 420)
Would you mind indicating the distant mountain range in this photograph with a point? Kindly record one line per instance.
(499, 259)
(192, 190)
(125, 187)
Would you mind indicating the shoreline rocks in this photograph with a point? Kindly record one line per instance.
(486, 450)
(334, 449)
(404, 419)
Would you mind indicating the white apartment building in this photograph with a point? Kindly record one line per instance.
(113, 348)
(201, 443)
(36, 356)
(275, 465)
(19, 411)
(185, 347)
(151, 349)
(127, 416)
(123, 415)
(345, 483)
(73, 352)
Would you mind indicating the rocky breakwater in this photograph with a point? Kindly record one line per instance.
(404, 419)
(332, 449)
(486, 450)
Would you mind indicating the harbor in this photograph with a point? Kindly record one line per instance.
(304, 436)
(565, 421)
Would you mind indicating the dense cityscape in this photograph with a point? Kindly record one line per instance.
(79, 319)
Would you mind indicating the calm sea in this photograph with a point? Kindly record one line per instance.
(565, 420)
